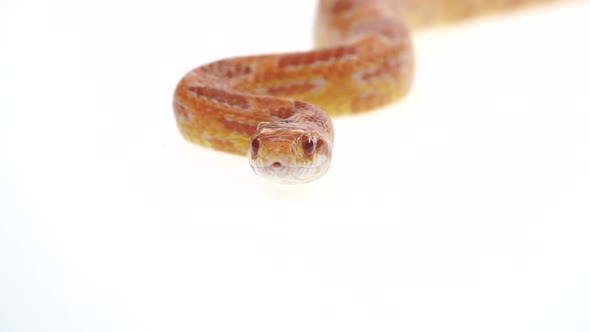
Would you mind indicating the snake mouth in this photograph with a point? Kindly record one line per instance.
(282, 173)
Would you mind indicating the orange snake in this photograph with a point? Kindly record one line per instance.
(275, 107)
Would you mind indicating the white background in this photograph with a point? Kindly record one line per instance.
(466, 207)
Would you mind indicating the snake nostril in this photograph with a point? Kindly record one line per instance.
(276, 164)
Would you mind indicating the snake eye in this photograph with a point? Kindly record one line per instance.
(308, 145)
(254, 146)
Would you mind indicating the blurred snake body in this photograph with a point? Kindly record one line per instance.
(276, 108)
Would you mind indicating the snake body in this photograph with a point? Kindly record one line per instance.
(275, 107)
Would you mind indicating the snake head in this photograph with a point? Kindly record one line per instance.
(287, 153)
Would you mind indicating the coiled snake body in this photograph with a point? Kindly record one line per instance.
(275, 107)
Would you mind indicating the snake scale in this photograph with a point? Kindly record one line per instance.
(276, 108)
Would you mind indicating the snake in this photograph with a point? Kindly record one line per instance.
(277, 108)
